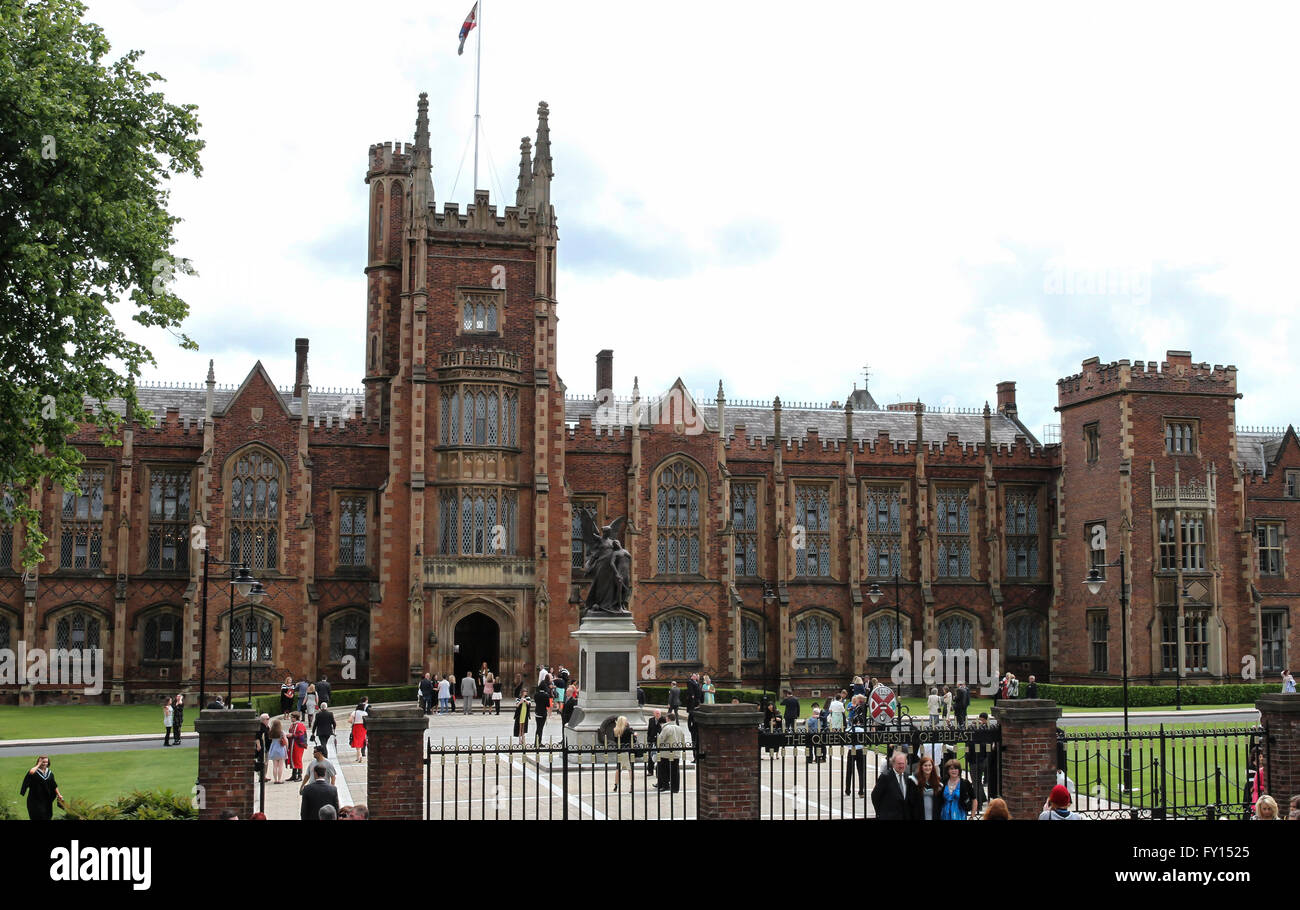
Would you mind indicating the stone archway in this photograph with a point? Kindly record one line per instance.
(471, 620)
(477, 638)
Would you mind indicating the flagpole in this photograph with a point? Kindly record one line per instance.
(478, 71)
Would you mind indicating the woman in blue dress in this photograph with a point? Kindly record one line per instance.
(958, 794)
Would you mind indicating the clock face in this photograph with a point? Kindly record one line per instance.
(883, 704)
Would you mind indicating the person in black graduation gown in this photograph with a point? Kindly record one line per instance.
(41, 790)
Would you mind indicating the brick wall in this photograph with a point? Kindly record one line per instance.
(226, 743)
(1280, 714)
(728, 771)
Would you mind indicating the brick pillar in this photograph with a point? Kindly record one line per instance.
(1027, 754)
(1280, 715)
(727, 772)
(227, 740)
(395, 761)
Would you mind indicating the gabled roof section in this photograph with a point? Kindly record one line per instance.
(257, 375)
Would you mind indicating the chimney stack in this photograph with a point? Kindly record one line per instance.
(605, 371)
(300, 348)
(1007, 398)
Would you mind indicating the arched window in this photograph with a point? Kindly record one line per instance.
(679, 519)
(1025, 636)
(77, 632)
(679, 639)
(751, 639)
(883, 637)
(255, 511)
(812, 639)
(6, 631)
(350, 637)
(956, 632)
(493, 408)
(162, 636)
(253, 640)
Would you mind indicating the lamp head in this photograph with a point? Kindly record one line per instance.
(1094, 581)
(256, 593)
(244, 581)
(874, 593)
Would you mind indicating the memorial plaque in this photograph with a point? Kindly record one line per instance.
(612, 672)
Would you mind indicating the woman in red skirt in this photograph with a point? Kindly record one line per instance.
(358, 738)
(297, 743)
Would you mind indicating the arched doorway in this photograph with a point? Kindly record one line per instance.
(478, 639)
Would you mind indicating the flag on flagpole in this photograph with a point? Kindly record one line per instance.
(470, 22)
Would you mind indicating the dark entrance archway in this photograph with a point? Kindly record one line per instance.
(479, 639)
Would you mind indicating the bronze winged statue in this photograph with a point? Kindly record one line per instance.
(608, 565)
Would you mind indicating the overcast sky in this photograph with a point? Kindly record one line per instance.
(768, 194)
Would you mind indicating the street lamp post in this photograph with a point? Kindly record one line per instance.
(1094, 581)
(241, 579)
(874, 594)
(769, 596)
(255, 596)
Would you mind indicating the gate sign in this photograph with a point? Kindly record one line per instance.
(883, 704)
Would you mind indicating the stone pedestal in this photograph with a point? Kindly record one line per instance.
(607, 677)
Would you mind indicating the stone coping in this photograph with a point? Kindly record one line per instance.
(213, 720)
(1278, 703)
(1027, 710)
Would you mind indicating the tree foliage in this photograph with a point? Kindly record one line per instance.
(87, 146)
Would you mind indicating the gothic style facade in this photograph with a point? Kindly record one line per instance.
(429, 522)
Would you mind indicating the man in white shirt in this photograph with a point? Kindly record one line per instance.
(670, 740)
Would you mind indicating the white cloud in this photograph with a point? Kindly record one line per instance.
(890, 159)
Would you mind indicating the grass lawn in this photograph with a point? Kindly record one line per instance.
(103, 776)
(51, 721)
(1196, 770)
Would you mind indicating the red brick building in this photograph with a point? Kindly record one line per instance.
(427, 521)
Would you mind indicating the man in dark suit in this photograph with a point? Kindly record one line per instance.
(1031, 689)
(323, 690)
(426, 694)
(896, 795)
(316, 794)
(323, 727)
(961, 703)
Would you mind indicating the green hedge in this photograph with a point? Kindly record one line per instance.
(1151, 696)
(270, 704)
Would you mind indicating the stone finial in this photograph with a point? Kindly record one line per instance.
(525, 172)
(422, 122)
(721, 395)
(542, 165)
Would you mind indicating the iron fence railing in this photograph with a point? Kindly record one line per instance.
(496, 779)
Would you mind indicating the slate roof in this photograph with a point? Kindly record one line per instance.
(829, 422)
(189, 400)
(1256, 451)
